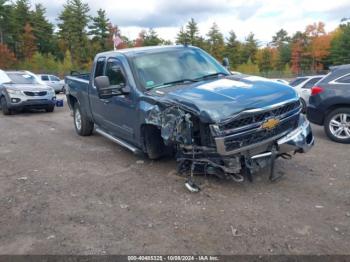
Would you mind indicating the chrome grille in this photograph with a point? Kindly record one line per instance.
(257, 136)
(246, 130)
(248, 119)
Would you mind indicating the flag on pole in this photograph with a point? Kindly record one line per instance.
(116, 40)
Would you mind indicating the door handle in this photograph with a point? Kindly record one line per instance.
(106, 101)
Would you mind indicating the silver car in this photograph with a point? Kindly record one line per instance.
(21, 89)
(53, 81)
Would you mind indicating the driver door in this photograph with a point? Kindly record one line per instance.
(116, 114)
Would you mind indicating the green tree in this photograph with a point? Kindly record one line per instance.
(5, 12)
(280, 38)
(281, 41)
(250, 48)
(182, 37)
(151, 38)
(73, 21)
(215, 42)
(340, 46)
(192, 32)
(42, 29)
(19, 17)
(99, 29)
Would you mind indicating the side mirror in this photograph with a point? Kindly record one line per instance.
(106, 90)
(226, 62)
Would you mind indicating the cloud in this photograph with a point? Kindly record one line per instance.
(262, 17)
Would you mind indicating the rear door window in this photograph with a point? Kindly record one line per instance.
(45, 77)
(54, 78)
(344, 80)
(312, 82)
(297, 81)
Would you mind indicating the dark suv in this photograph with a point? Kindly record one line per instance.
(329, 104)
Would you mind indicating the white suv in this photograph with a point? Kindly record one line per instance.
(303, 85)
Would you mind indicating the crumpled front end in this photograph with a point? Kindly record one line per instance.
(236, 147)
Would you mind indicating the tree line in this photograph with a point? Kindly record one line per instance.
(29, 41)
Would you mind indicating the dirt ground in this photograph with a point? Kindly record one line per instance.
(65, 194)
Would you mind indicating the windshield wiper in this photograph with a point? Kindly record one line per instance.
(211, 75)
(181, 81)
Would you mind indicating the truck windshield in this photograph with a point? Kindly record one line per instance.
(156, 70)
(22, 78)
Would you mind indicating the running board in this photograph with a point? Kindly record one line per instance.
(118, 141)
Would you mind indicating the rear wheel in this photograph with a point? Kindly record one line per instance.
(337, 125)
(83, 125)
(5, 110)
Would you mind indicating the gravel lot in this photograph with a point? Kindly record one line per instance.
(65, 194)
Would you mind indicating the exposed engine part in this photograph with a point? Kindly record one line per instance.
(175, 124)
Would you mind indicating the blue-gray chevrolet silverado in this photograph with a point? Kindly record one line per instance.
(180, 100)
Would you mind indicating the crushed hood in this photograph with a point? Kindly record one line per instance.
(220, 99)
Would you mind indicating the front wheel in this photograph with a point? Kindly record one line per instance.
(337, 125)
(83, 125)
(5, 110)
(50, 109)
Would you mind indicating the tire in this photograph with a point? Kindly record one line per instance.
(337, 125)
(303, 106)
(50, 109)
(83, 125)
(5, 110)
(154, 143)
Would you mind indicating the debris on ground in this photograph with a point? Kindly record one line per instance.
(235, 232)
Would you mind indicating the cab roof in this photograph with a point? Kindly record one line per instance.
(132, 52)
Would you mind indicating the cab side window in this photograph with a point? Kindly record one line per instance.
(114, 72)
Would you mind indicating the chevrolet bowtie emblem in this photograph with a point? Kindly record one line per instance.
(270, 123)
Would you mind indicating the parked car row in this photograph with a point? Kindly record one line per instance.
(326, 100)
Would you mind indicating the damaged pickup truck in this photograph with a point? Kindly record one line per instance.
(180, 100)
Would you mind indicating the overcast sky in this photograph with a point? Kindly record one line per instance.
(263, 18)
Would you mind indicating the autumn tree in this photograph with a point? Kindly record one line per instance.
(140, 39)
(29, 46)
(7, 57)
